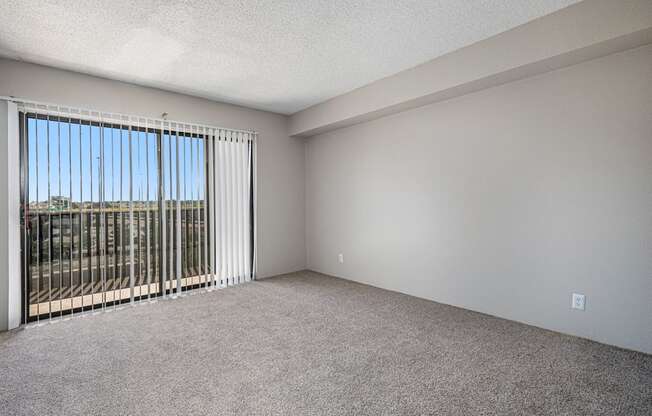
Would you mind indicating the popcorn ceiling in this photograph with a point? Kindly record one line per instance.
(276, 55)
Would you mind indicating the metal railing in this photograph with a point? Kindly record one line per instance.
(67, 272)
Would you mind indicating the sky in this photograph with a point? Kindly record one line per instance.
(76, 158)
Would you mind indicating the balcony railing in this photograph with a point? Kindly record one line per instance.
(78, 255)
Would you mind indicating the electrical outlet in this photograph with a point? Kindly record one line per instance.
(340, 258)
(578, 301)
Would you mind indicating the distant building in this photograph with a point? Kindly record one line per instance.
(59, 203)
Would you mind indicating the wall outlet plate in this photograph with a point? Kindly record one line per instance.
(578, 301)
(340, 258)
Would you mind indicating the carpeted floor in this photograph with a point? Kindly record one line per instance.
(309, 344)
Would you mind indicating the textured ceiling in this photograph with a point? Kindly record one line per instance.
(275, 55)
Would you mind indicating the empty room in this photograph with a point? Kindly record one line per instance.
(326, 207)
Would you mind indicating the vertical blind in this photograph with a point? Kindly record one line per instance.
(118, 209)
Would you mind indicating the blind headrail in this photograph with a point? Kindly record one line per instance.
(106, 116)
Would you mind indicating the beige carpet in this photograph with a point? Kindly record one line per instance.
(309, 344)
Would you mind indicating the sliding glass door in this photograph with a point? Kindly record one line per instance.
(120, 212)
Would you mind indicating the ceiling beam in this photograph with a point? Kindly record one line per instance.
(584, 31)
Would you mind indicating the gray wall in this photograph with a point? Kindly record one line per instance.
(504, 201)
(281, 201)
